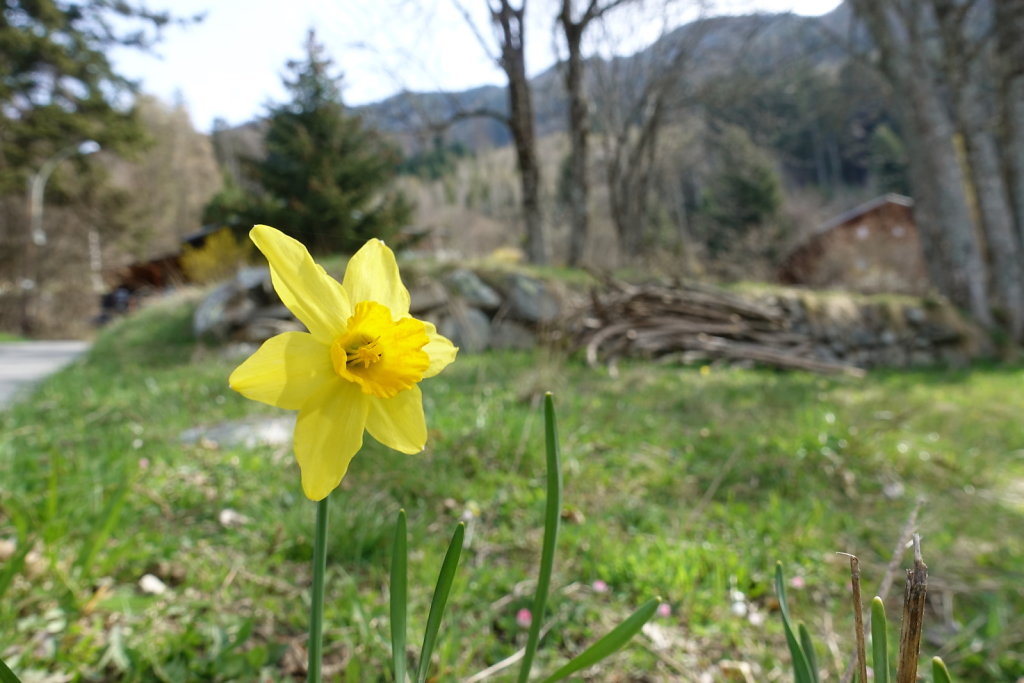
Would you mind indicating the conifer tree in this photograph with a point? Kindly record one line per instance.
(57, 85)
(324, 179)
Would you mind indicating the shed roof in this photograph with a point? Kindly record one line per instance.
(864, 208)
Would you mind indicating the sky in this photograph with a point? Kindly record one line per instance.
(229, 65)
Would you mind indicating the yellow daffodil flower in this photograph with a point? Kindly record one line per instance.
(359, 366)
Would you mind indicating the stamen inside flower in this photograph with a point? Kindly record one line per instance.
(367, 354)
(381, 355)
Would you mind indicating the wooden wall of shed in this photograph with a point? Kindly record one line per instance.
(876, 252)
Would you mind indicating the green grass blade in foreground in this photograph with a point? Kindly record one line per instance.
(879, 642)
(399, 597)
(801, 667)
(13, 566)
(102, 532)
(610, 643)
(6, 675)
(940, 674)
(552, 517)
(316, 608)
(808, 647)
(440, 599)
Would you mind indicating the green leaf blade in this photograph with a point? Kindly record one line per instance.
(399, 598)
(801, 667)
(808, 648)
(610, 643)
(440, 600)
(940, 674)
(879, 641)
(6, 675)
(552, 519)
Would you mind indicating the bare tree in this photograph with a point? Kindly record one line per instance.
(952, 246)
(509, 25)
(635, 97)
(574, 29)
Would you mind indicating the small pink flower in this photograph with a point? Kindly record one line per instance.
(143, 463)
(599, 586)
(524, 618)
(797, 582)
(664, 610)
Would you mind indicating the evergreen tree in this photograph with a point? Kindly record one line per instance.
(324, 177)
(743, 192)
(57, 86)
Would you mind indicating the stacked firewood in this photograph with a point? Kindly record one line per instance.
(691, 322)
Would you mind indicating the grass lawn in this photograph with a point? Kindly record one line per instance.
(679, 483)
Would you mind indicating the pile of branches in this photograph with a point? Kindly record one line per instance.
(691, 323)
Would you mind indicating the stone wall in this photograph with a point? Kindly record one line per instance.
(883, 330)
(480, 309)
(477, 310)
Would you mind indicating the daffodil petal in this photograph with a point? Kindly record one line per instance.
(398, 422)
(328, 434)
(439, 349)
(285, 371)
(317, 299)
(372, 275)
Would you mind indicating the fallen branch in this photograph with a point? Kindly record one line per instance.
(694, 320)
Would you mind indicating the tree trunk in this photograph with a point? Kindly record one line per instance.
(579, 129)
(629, 181)
(950, 241)
(970, 73)
(579, 119)
(1009, 27)
(1014, 141)
(1004, 246)
(941, 207)
(511, 23)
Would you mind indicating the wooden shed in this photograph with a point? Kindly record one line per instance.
(871, 248)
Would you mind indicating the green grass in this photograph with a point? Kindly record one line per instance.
(9, 337)
(677, 483)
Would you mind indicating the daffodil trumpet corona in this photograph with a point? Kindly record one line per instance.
(358, 367)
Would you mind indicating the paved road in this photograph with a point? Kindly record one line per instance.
(24, 363)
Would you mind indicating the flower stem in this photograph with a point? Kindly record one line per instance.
(316, 610)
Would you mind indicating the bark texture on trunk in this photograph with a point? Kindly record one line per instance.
(994, 208)
(509, 22)
(579, 130)
(629, 183)
(579, 118)
(971, 77)
(1009, 29)
(951, 243)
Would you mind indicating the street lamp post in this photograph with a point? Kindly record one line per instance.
(37, 182)
(36, 185)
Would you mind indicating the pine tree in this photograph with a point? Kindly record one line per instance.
(743, 192)
(324, 178)
(57, 85)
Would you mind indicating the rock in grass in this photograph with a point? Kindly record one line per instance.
(151, 585)
(531, 300)
(468, 328)
(473, 290)
(231, 304)
(426, 295)
(249, 433)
